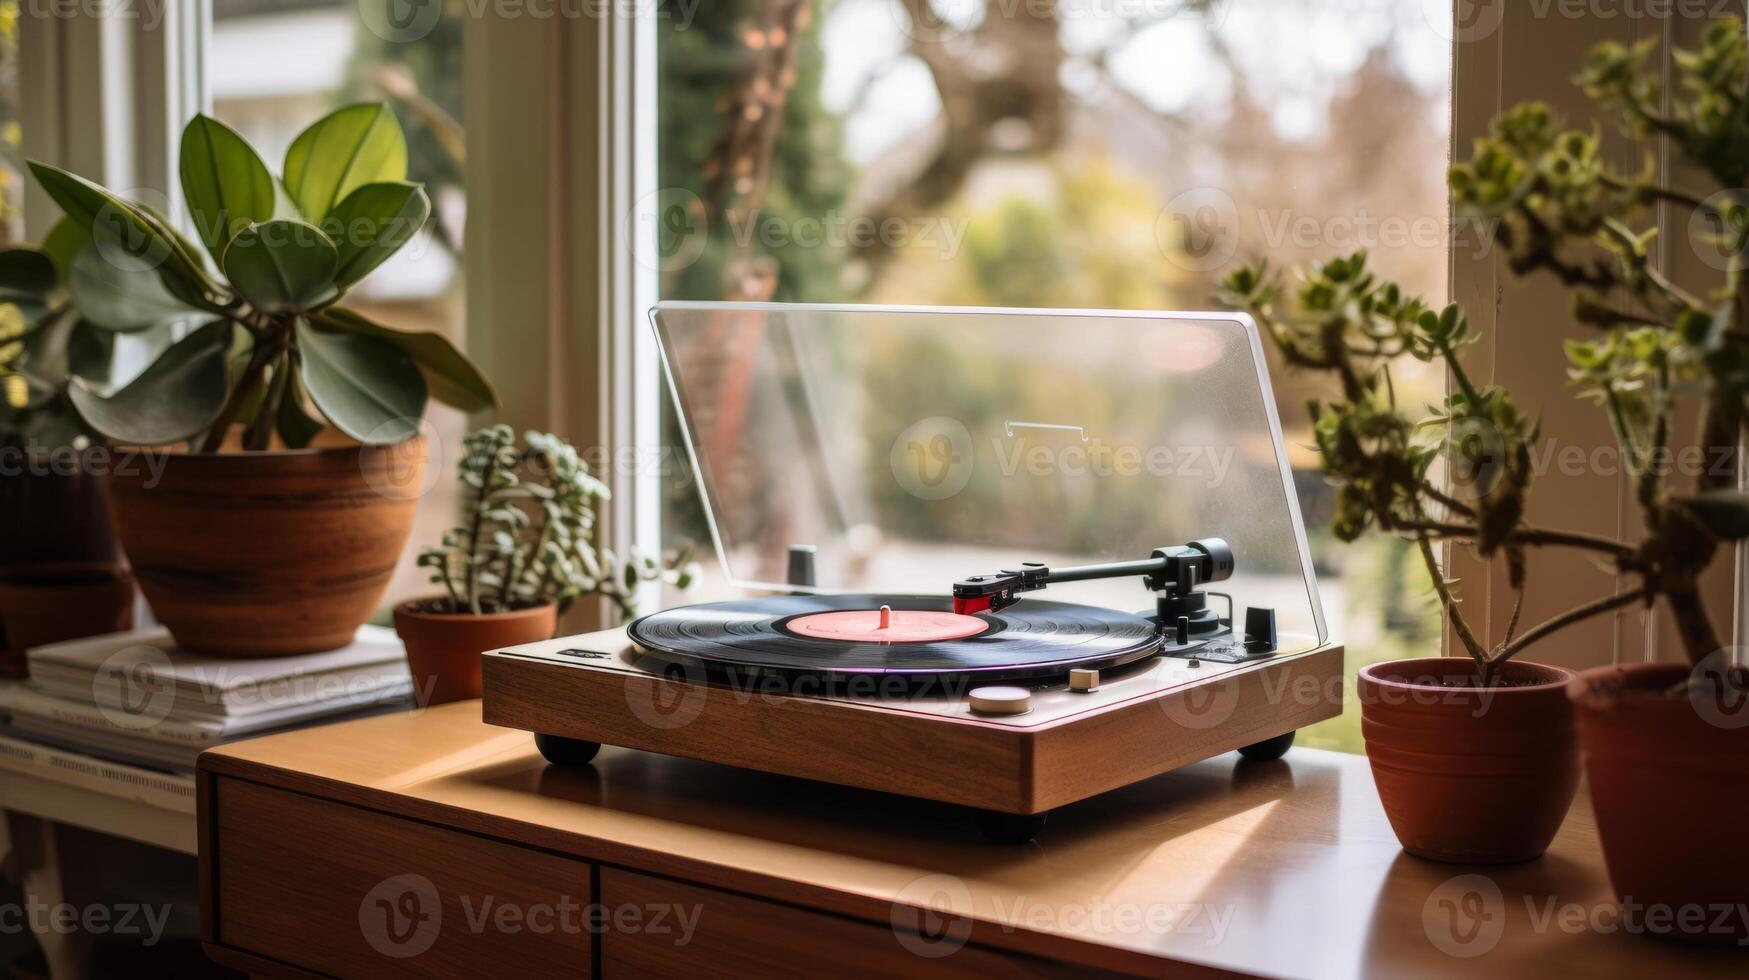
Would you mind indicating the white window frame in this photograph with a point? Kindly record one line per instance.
(560, 133)
(105, 96)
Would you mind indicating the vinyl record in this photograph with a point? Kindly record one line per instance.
(1033, 638)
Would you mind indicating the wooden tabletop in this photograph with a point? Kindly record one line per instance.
(1284, 868)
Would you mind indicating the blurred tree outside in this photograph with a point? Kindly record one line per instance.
(423, 82)
(1071, 154)
(11, 164)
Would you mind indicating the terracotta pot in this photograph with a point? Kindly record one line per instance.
(1669, 780)
(1470, 775)
(443, 650)
(268, 554)
(58, 601)
(51, 506)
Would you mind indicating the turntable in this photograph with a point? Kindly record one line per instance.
(857, 463)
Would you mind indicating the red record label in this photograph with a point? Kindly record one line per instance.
(887, 625)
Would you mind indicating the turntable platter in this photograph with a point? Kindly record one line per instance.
(841, 637)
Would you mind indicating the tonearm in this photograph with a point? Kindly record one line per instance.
(1174, 574)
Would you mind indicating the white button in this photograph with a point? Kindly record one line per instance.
(1001, 700)
(1084, 680)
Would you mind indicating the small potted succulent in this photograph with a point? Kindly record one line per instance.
(523, 552)
(281, 548)
(1474, 756)
(61, 574)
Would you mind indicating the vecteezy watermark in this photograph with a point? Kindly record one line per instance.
(935, 458)
(65, 919)
(1200, 230)
(39, 459)
(932, 459)
(673, 700)
(134, 688)
(1200, 707)
(668, 229)
(1465, 916)
(149, 13)
(1478, 20)
(1718, 688)
(943, 21)
(931, 916)
(1468, 916)
(407, 21)
(1464, 20)
(402, 916)
(940, 235)
(1108, 917)
(404, 458)
(1718, 230)
(1207, 464)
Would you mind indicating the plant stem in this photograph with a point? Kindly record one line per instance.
(488, 462)
(1576, 614)
(259, 435)
(1458, 624)
(1530, 536)
(259, 357)
(1651, 482)
(1457, 372)
(540, 545)
(1625, 237)
(1657, 193)
(1512, 624)
(1451, 503)
(1699, 640)
(448, 576)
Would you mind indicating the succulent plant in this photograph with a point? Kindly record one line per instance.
(527, 534)
(260, 339)
(1556, 205)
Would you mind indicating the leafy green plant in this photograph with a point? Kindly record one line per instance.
(527, 533)
(1557, 207)
(43, 344)
(269, 348)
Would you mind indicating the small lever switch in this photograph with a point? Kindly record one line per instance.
(1260, 629)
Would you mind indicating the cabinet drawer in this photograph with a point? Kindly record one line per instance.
(698, 932)
(352, 892)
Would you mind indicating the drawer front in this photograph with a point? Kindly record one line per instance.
(662, 928)
(352, 892)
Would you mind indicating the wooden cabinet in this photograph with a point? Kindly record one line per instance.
(698, 932)
(298, 885)
(428, 843)
(342, 890)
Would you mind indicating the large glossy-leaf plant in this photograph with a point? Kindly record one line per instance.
(261, 340)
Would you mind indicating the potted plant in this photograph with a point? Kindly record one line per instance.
(281, 548)
(61, 574)
(1474, 756)
(523, 552)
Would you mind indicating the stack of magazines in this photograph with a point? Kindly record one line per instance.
(135, 699)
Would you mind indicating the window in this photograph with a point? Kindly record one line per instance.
(1076, 153)
(11, 164)
(269, 98)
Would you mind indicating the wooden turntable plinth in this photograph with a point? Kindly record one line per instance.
(1140, 721)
